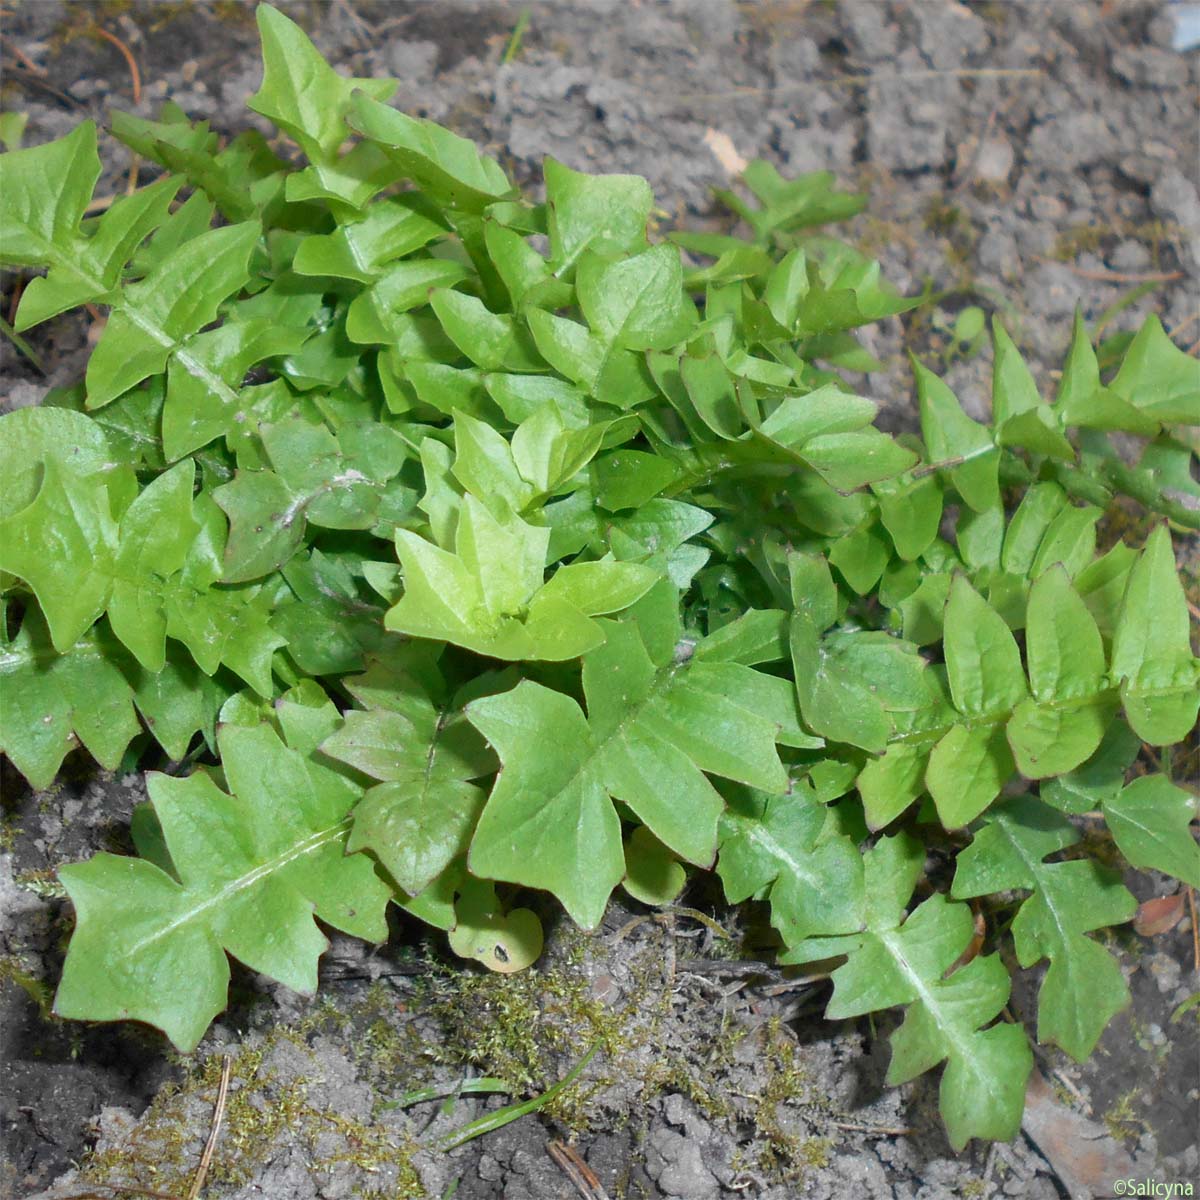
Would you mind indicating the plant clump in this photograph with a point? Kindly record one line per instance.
(468, 544)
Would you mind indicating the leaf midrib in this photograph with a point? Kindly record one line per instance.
(663, 679)
(191, 364)
(958, 1045)
(242, 882)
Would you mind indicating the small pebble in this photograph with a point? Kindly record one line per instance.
(995, 161)
(1047, 208)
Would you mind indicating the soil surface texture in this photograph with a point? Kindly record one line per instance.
(1026, 156)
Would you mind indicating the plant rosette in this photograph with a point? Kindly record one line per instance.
(474, 547)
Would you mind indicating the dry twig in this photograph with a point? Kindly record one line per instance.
(1191, 895)
(102, 1191)
(127, 54)
(576, 1170)
(27, 62)
(214, 1132)
(1114, 276)
(873, 1130)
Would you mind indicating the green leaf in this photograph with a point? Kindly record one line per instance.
(757, 636)
(241, 180)
(782, 843)
(220, 625)
(46, 191)
(814, 594)
(628, 478)
(302, 93)
(1151, 822)
(496, 342)
(904, 961)
(605, 214)
(156, 531)
(845, 290)
(448, 168)
(1013, 388)
(829, 409)
(653, 875)
(372, 316)
(1069, 540)
(32, 436)
(637, 302)
(1040, 505)
(1157, 377)
(1151, 654)
(1084, 987)
(525, 273)
(254, 865)
(979, 538)
(922, 610)
(982, 659)
(787, 285)
(194, 413)
(12, 129)
(654, 727)
(1049, 740)
(489, 594)
(1083, 401)
(835, 704)
(954, 439)
(860, 557)
(179, 701)
(1035, 430)
(966, 771)
(334, 482)
(73, 515)
(1021, 417)
(613, 375)
(504, 942)
(849, 460)
(1060, 726)
(421, 817)
(1100, 778)
(54, 701)
(889, 784)
(359, 250)
(788, 204)
(328, 626)
(361, 173)
(149, 323)
(713, 393)
(484, 464)
(911, 512)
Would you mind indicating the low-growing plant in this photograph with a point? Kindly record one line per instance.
(470, 544)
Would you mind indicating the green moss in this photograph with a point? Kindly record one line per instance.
(12, 970)
(42, 883)
(783, 1153)
(1083, 239)
(259, 1109)
(529, 1028)
(1122, 1119)
(944, 217)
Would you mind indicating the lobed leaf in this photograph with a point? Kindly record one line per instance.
(252, 867)
(911, 960)
(655, 725)
(1084, 987)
